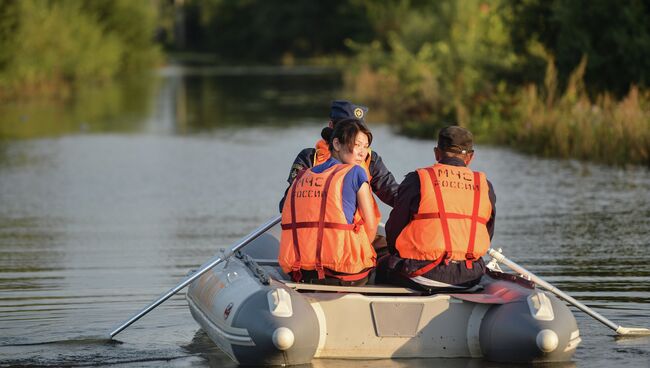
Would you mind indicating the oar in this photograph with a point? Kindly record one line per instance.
(623, 331)
(250, 237)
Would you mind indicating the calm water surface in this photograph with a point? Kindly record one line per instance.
(109, 200)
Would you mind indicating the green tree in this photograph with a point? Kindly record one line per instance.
(133, 23)
(264, 31)
(48, 46)
(614, 35)
(439, 62)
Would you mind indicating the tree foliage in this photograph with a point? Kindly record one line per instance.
(443, 57)
(265, 31)
(614, 35)
(45, 46)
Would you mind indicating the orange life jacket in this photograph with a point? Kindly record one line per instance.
(322, 154)
(451, 220)
(315, 232)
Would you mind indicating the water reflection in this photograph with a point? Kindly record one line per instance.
(210, 98)
(113, 107)
(202, 345)
(179, 100)
(97, 220)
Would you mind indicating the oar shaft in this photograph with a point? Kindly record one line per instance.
(517, 268)
(250, 237)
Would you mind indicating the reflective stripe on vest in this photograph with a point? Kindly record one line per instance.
(319, 222)
(450, 224)
(294, 229)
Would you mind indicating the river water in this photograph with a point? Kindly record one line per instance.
(109, 200)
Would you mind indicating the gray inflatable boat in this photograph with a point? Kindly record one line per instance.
(258, 316)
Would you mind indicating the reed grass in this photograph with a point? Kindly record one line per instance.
(573, 125)
(540, 120)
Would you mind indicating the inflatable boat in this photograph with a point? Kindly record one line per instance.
(258, 316)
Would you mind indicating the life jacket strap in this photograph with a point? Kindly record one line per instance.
(321, 221)
(326, 225)
(426, 268)
(294, 229)
(320, 270)
(469, 260)
(356, 227)
(450, 216)
(349, 277)
(469, 256)
(443, 214)
(296, 276)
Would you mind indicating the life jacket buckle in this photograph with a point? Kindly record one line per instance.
(357, 226)
(447, 258)
(295, 266)
(296, 276)
(469, 260)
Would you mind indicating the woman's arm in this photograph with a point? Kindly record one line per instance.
(367, 211)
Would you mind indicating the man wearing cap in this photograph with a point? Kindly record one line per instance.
(442, 221)
(382, 182)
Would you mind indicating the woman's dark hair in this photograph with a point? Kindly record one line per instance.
(346, 131)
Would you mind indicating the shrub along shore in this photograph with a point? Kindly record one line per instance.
(537, 120)
(549, 77)
(49, 47)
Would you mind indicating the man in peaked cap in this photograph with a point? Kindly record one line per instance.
(382, 182)
(442, 221)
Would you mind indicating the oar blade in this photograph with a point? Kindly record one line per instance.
(632, 331)
(620, 330)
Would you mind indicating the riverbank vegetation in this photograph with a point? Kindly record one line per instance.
(573, 125)
(48, 47)
(550, 77)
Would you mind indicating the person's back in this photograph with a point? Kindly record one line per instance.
(328, 218)
(442, 222)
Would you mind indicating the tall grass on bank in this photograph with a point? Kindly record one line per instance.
(536, 120)
(575, 126)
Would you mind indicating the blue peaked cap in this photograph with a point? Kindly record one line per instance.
(346, 110)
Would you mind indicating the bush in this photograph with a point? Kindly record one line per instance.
(574, 126)
(432, 70)
(47, 47)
